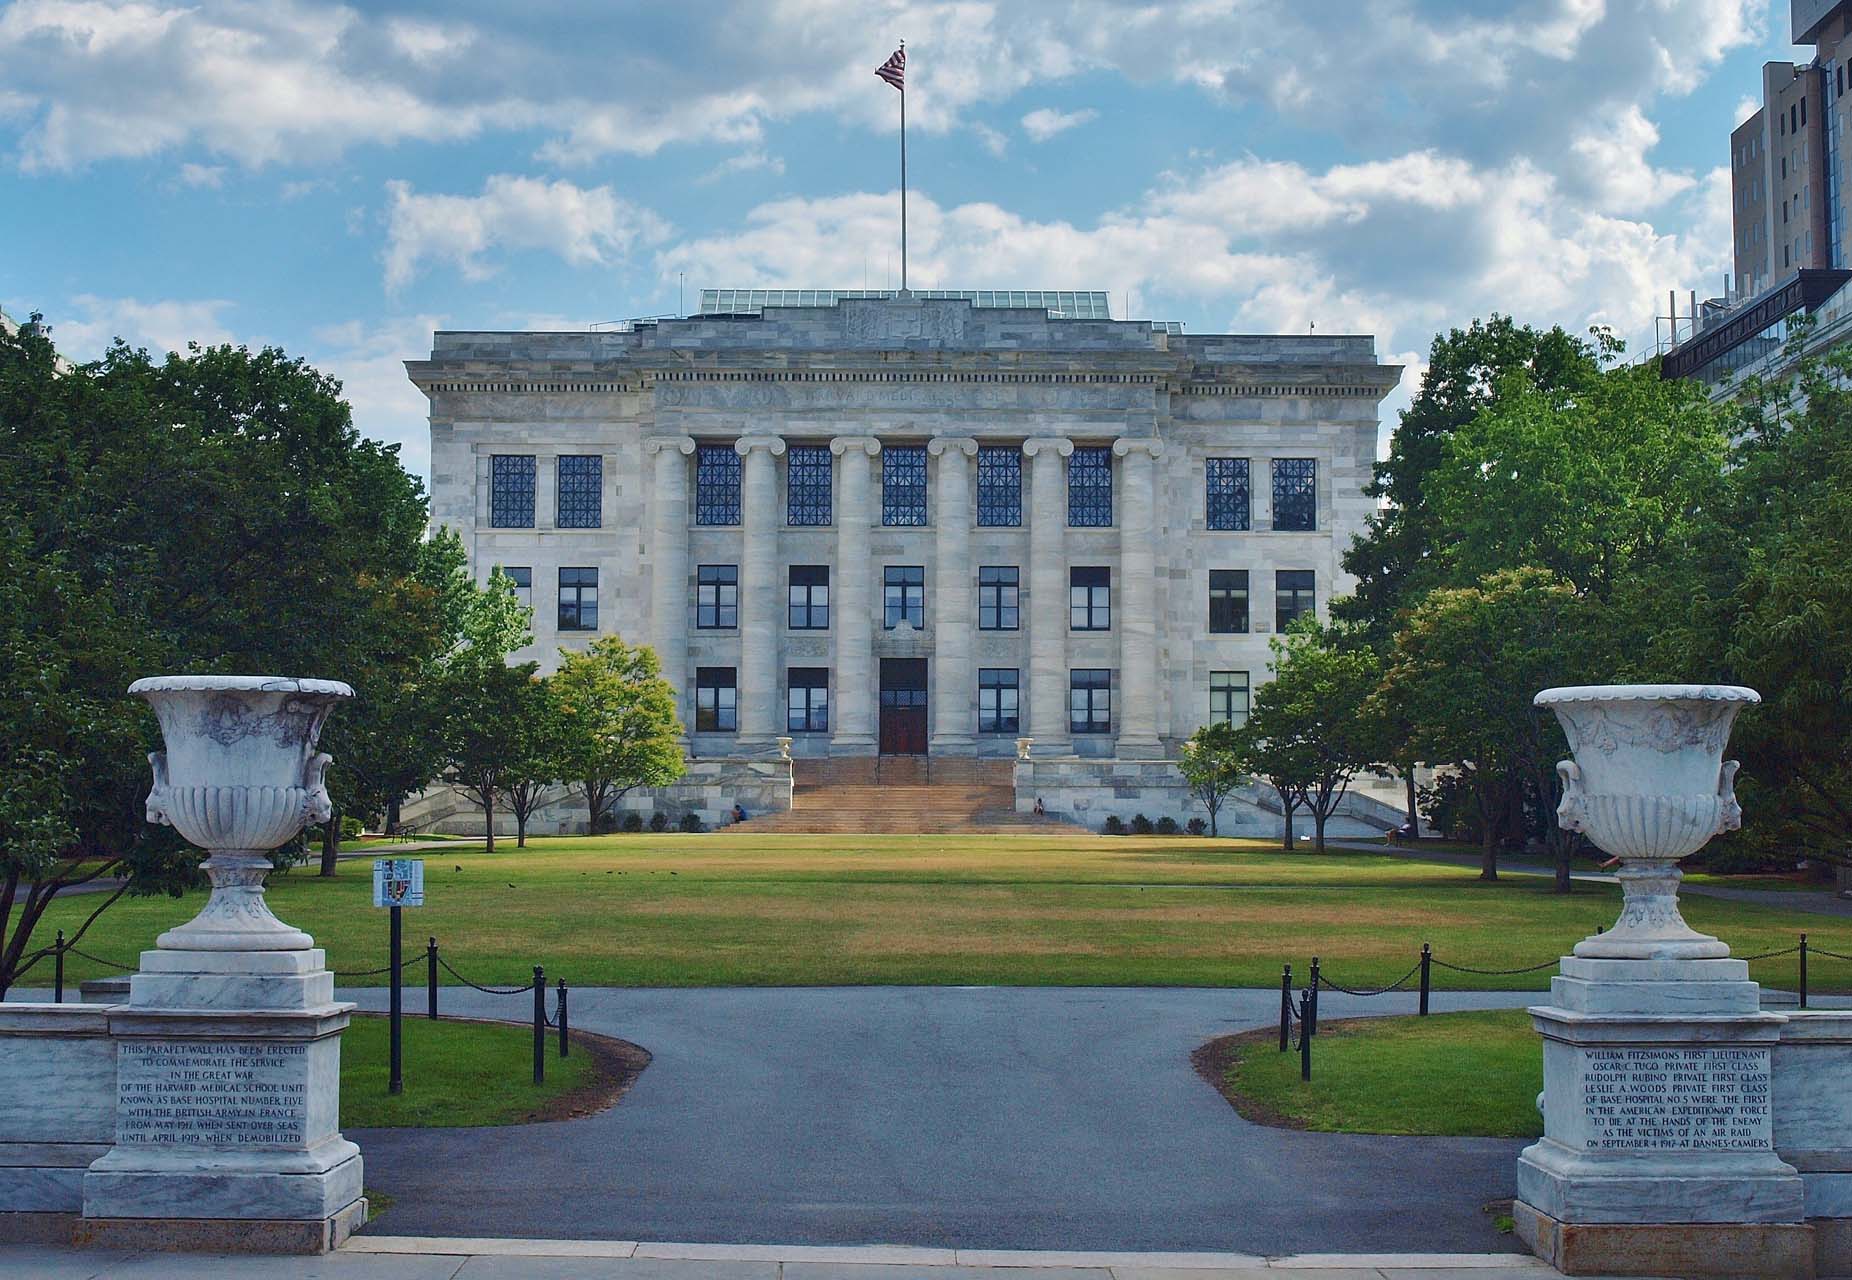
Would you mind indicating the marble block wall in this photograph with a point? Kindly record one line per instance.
(1087, 792)
(709, 789)
(57, 1106)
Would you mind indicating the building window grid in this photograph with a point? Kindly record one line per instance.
(808, 598)
(1295, 494)
(1293, 594)
(903, 485)
(807, 700)
(1228, 697)
(903, 595)
(716, 700)
(1090, 700)
(581, 491)
(1835, 214)
(999, 695)
(717, 485)
(578, 599)
(999, 598)
(1228, 496)
(1089, 487)
(1228, 601)
(511, 490)
(999, 486)
(717, 597)
(1089, 599)
(807, 485)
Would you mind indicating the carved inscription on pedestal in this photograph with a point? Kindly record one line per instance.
(1676, 1099)
(211, 1093)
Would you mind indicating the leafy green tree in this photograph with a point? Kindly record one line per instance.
(618, 726)
(1210, 763)
(1262, 750)
(537, 735)
(493, 712)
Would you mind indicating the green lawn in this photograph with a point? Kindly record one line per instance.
(770, 909)
(1452, 1074)
(455, 1073)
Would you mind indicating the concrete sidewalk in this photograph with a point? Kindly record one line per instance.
(439, 1258)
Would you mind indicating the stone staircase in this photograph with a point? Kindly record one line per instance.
(905, 795)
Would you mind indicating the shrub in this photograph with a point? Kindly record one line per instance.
(659, 822)
(1196, 826)
(351, 828)
(692, 822)
(633, 822)
(1167, 826)
(1141, 825)
(1113, 826)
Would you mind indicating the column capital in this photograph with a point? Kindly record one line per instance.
(843, 444)
(656, 444)
(1128, 445)
(1036, 444)
(956, 444)
(774, 445)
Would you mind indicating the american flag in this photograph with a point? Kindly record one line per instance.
(894, 70)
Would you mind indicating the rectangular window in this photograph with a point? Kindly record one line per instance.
(1089, 700)
(903, 484)
(807, 700)
(578, 599)
(1089, 487)
(716, 700)
(1292, 596)
(999, 597)
(1295, 493)
(717, 484)
(903, 595)
(807, 485)
(1228, 697)
(999, 486)
(1228, 492)
(808, 607)
(523, 578)
(1089, 599)
(511, 490)
(581, 491)
(1228, 601)
(999, 691)
(717, 597)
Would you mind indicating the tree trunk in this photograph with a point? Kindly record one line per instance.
(1414, 813)
(1286, 809)
(1488, 835)
(392, 815)
(520, 827)
(1318, 828)
(488, 820)
(331, 842)
(1212, 806)
(1563, 843)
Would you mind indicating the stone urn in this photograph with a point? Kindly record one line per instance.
(1649, 785)
(240, 776)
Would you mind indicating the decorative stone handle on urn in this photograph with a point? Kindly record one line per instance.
(317, 807)
(1571, 815)
(1731, 818)
(157, 794)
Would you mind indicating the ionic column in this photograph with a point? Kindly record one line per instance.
(1137, 620)
(852, 614)
(954, 683)
(669, 566)
(762, 594)
(1047, 607)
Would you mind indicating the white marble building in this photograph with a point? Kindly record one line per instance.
(914, 525)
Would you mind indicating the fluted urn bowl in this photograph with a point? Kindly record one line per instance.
(1648, 784)
(240, 776)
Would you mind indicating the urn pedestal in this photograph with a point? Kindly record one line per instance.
(1658, 1155)
(228, 1050)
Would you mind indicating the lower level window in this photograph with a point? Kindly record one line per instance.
(1089, 599)
(716, 700)
(1228, 697)
(1292, 596)
(998, 692)
(1089, 700)
(578, 599)
(903, 595)
(808, 700)
(523, 578)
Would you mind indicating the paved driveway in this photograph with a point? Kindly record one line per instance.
(1027, 1118)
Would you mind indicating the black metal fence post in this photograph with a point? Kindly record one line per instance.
(1803, 971)
(565, 1043)
(540, 1024)
(1311, 1018)
(1307, 1013)
(430, 978)
(1286, 1007)
(395, 1082)
(1427, 982)
(57, 965)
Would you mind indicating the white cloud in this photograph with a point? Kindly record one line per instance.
(994, 141)
(584, 226)
(744, 162)
(1045, 122)
(161, 326)
(369, 359)
(1746, 106)
(203, 175)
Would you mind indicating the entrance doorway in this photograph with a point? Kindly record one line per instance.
(903, 706)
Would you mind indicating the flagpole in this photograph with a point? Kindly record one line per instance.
(903, 181)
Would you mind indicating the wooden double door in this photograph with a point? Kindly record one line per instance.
(903, 706)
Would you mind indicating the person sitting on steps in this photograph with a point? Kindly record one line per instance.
(739, 812)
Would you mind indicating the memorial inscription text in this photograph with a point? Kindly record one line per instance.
(1676, 1099)
(211, 1093)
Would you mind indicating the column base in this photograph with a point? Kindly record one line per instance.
(1138, 748)
(1695, 1249)
(1052, 747)
(852, 744)
(951, 744)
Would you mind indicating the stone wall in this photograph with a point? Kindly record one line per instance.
(57, 1113)
(709, 789)
(1087, 792)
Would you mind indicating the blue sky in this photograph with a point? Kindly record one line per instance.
(340, 179)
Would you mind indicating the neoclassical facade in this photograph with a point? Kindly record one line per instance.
(914, 525)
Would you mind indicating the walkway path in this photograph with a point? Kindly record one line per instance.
(952, 1118)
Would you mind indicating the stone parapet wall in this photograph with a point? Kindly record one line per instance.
(709, 789)
(1087, 792)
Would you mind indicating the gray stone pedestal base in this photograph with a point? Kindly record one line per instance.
(220, 1235)
(1779, 1250)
